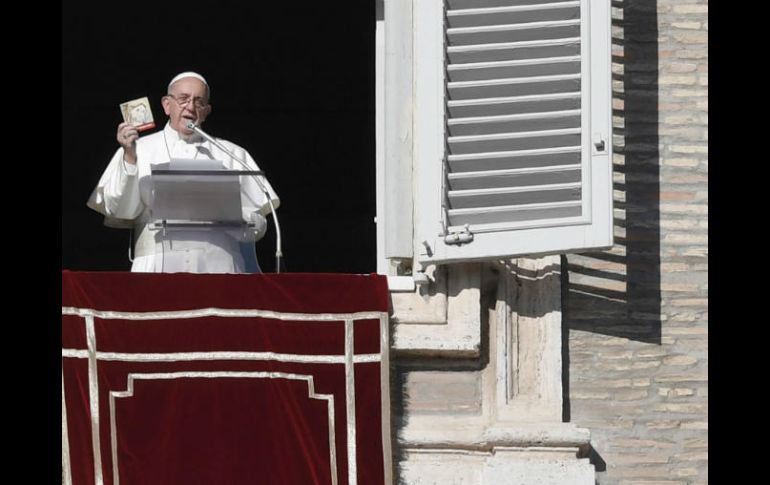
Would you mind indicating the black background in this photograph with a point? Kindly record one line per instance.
(293, 83)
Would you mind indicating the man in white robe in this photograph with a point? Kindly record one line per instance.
(124, 191)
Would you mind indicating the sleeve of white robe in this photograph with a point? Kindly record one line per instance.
(253, 188)
(117, 193)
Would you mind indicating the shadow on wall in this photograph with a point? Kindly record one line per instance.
(617, 292)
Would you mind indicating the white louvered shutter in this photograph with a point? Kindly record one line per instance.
(513, 128)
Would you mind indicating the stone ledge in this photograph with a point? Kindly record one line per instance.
(499, 466)
(452, 434)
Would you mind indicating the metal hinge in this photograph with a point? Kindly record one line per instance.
(460, 237)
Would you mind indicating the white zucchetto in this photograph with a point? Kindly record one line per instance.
(188, 74)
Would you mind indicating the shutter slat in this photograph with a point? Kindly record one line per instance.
(508, 27)
(486, 88)
(517, 51)
(512, 8)
(514, 99)
(512, 104)
(514, 171)
(518, 32)
(466, 4)
(514, 123)
(511, 15)
(505, 136)
(504, 89)
(512, 154)
(537, 176)
(518, 63)
(513, 214)
(511, 143)
(523, 116)
(512, 80)
(503, 196)
(513, 69)
(469, 193)
(514, 45)
(504, 208)
(515, 198)
(512, 160)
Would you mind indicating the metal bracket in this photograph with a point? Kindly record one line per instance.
(599, 144)
(420, 278)
(461, 237)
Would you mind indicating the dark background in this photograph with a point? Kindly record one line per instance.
(292, 83)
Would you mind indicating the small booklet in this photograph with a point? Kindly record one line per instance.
(138, 113)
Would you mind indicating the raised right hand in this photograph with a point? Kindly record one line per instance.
(127, 136)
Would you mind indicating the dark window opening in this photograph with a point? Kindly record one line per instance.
(293, 85)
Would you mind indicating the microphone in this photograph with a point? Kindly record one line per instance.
(192, 125)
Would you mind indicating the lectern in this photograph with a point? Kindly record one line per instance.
(196, 209)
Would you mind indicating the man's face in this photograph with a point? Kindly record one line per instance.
(187, 101)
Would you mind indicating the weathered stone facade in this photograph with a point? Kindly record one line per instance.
(630, 365)
(636, 317)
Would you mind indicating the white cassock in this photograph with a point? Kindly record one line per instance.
(124, 192)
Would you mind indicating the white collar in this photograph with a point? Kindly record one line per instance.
(173, 136)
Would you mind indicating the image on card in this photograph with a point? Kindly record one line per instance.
(138, 113)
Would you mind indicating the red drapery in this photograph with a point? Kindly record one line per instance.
(188, 378)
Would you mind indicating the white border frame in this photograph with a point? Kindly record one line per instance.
(129, 392)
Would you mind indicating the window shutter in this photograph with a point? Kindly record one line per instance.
(524, 165)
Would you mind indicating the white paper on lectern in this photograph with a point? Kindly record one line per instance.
(182, 197)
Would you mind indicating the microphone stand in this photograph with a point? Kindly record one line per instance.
(278, 254)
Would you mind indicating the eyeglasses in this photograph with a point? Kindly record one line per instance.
(185, 99)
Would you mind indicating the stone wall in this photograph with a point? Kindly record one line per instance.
(634, 332)
(636, 318)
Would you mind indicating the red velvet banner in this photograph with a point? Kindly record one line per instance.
(191, 378)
